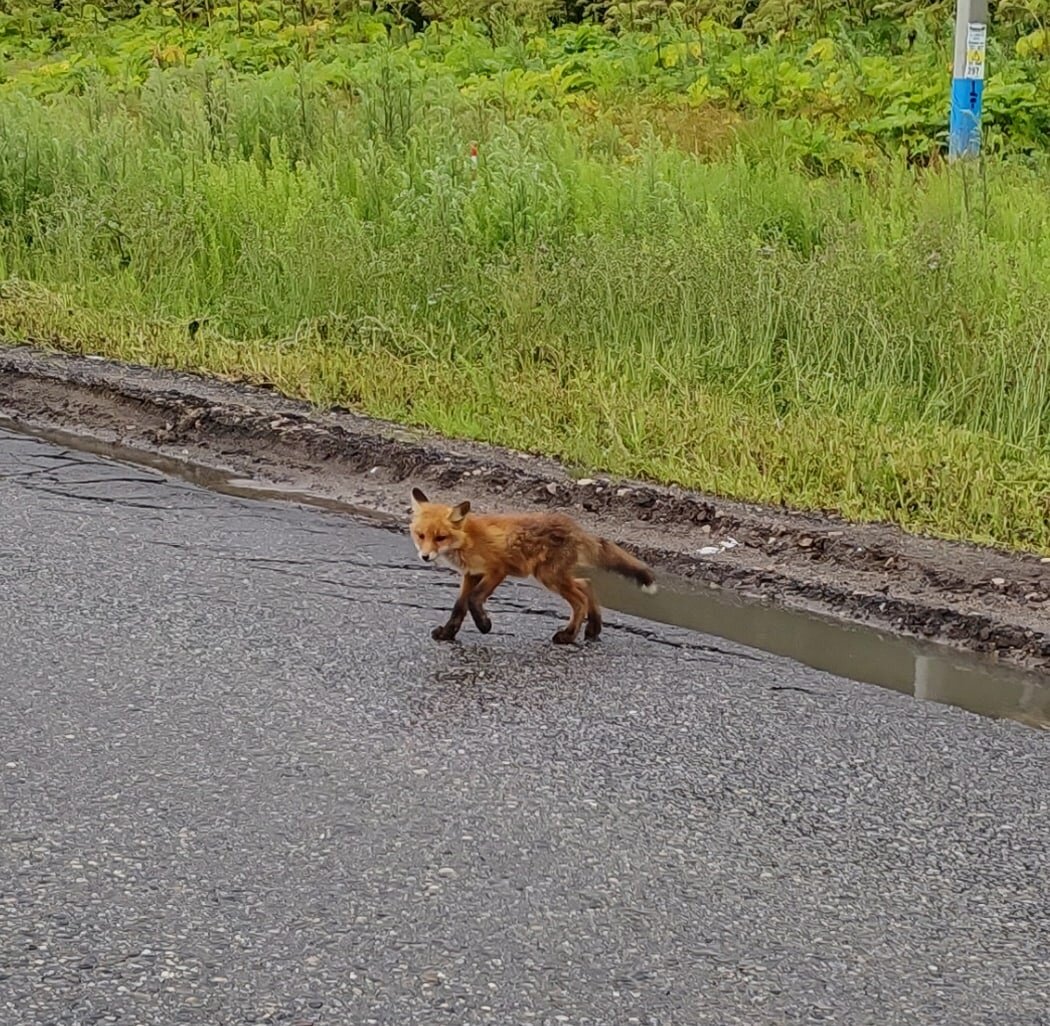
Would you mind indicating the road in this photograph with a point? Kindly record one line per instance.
(241, 784)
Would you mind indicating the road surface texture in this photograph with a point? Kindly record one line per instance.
(241, 784)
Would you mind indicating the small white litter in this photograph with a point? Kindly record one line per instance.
(714, 550)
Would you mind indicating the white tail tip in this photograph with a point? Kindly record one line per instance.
(649, 589)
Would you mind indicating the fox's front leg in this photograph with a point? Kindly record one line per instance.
(448, 631)
(479, 596)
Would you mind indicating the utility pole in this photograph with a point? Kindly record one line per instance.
(971, 39)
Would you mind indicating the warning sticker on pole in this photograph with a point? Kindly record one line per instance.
(976, 44)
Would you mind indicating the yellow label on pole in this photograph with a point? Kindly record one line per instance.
(976, 47)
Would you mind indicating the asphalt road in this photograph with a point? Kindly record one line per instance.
(239, 783)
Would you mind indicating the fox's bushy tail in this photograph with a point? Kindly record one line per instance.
(609, 556)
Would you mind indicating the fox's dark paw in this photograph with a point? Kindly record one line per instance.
(443, 633)
(564, 637)
(483, 623)
(592, 633)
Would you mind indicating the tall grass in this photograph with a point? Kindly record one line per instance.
(877, 346)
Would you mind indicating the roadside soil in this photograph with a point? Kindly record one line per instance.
(971, 597)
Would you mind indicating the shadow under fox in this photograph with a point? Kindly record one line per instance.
(488, 548)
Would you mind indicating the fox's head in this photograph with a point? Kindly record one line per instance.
(437, 530)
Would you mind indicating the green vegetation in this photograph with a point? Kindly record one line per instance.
(729, 257)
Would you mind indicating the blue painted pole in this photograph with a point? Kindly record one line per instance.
(971, 39)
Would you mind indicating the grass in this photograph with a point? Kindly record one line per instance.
(878, 345)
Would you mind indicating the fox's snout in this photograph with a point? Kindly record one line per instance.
(429, 550)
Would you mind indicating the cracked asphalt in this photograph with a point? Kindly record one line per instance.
(239, 783)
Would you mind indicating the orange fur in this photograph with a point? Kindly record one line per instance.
(486, 549)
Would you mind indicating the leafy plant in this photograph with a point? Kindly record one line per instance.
(707, 248)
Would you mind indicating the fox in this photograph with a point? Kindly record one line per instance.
(488, 548)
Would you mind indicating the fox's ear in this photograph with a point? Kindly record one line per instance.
(418, 498)
(459, 512)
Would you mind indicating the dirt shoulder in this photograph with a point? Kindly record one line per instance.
(972, 597)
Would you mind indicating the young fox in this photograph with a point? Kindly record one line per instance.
(487, 549)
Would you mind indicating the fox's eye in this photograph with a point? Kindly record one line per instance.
(439, 538)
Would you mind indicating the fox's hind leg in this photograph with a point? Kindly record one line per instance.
(448, 631)
(594, 612)
(570, 589)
